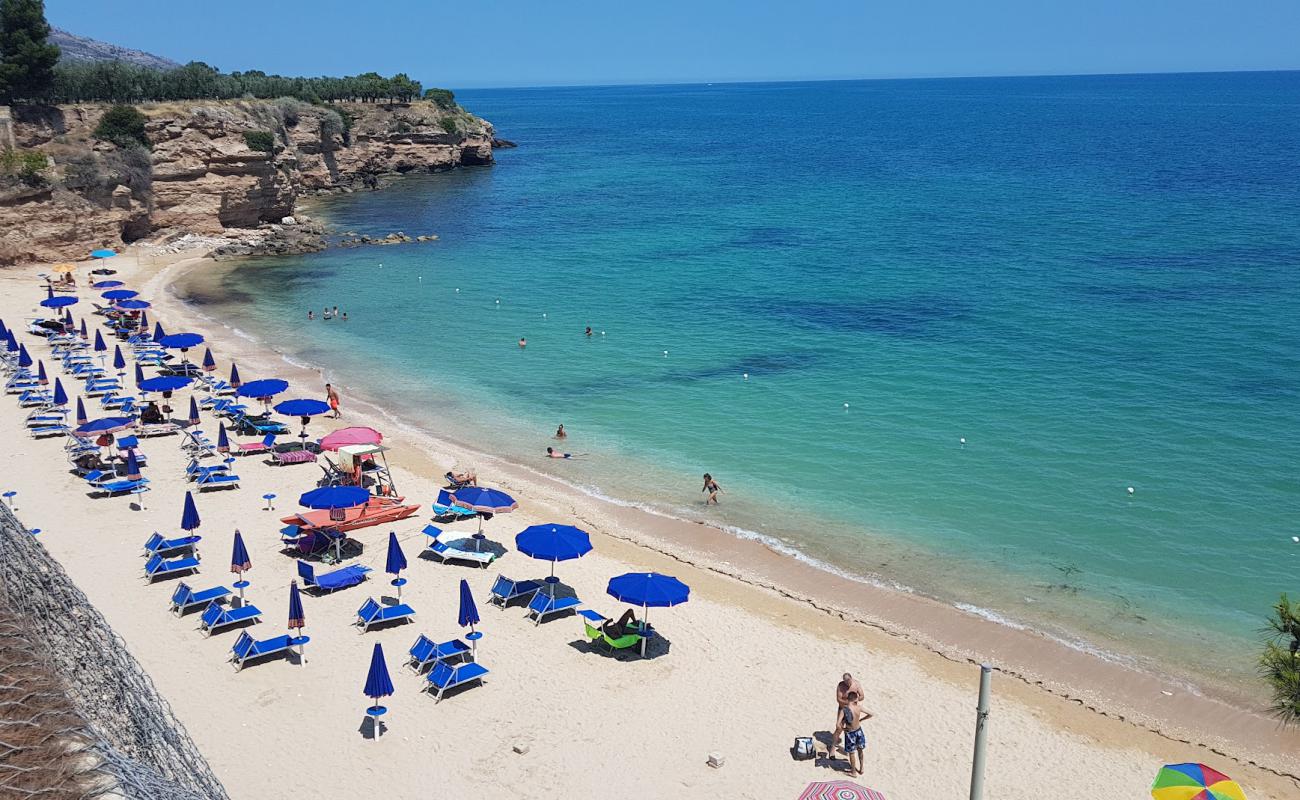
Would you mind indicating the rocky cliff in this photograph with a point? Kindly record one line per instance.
(211, 167)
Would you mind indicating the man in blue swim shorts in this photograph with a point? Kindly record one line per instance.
(855, 740)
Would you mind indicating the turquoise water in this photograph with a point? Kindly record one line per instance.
(1094, 281)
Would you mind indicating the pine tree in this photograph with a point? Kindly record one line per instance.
(1280, 661)
(26, 59)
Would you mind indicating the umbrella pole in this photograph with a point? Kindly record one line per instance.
(981, 732)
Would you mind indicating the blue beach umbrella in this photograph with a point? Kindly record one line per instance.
(209, 363)
(301, 408)
(223, 440)
(378, 685)
(67, 319)
(553, 543)
(234, 376)
(24, 360)
(4, 332)
(144, 316)
(103, 425)
(11, 344)
(158, 332)
(395, 563)
(194, 411)
(484, 500)
(180, 341)
(132, 466)
(239, 560)
(190, 514)
(41, 377)
(60, 396)
(106, 284)
(103, 253)
(648, 590)
(82, 419)
(468, 615)
(297, 619)
(119, 362)
(133, 305)
(267, 387)
(58, 302)
(335, 498)
(120, 294)
(100, 347)
(164, 383)
(139, 374)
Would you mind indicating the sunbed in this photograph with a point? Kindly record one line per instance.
(331, 581)
(544, 604)
(185, 598)
(249, 448)
(158, 546)
(43, 431)
(157, 429)
(260, 426)
(592, 622)
(126, 445)
(376, 511)
(218, 616)
(374, 613)
(247, 648)
(505, 590)
(217, 480)
(299, 455)
(444, 676)
(425, 652)
(30, 398)
(444, 508)
(453, 483)
(452, 551)
(158, 567)
(110, 484)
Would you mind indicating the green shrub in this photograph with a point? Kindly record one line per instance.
(123, 126)
(1280, 661)
(450, 125)
(261, 141)
(442, 98)
(27, 166)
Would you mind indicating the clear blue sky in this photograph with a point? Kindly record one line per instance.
(475, 43)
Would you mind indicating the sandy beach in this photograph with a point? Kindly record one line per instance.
(747, 665)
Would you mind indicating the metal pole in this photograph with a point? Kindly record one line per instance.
(981, 733)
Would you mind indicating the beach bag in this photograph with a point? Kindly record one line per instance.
(803, 748)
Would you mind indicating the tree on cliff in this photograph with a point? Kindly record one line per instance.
(1280, 661)
(26, 59)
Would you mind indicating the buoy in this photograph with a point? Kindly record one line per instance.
(846, 405)
(1130, 490)
(498, 302)
(543, 315)
(458, 291)
(1296, 539)
(963, 440)
(420, 278)
(746, 376)
(602, 333)
(665, 354)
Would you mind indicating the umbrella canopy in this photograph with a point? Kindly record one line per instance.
(234, 376)
(67, 318)
(209, 363)
(194, 411)
(11, 344)
(41, 377)
(468, 616)
(106, 284)
(190, 514)
(648, 590)
(267, 387)
(119, 362)
(64, 268)
(396, 558)
(297, 619)
(223, 439)
(82, 419)
(139, 373)
(484, 500)
(132, 305)
(553, 542)
(60, 396)
(132, 465)
(158, 332)
(104, 425)
(59, 302)
(378, 684)
(239, 560)
(103, 253)
(180, 341)
(347, 436)
(82, 329)
(120, 294)
(302, 408)
(839, 790)
(100, 347)
(1194, 782)
(333, 497)
(164, 383)
(24, 359)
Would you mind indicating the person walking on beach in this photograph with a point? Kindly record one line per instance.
(711, 486)
(855, 739)
(846, 685)
(332, 397)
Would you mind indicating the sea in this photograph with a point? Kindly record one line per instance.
(1030, 346)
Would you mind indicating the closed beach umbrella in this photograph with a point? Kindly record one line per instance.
(24, 360)
(347, 436)
(4, 332)
(102, 253)
(100, 347)
(132, 466)
(67, 320)
(82, 329)
(378, 685)
(223, 440)
(103, 425)
(119, 361)
(234, 376)
(144, 315)
(158, 332)
(139, 374)
(395, 563)
(82, 419)
(190, 514)
(120, 294)
(11, 344)
(41, 377)
(60, 396)
(240, 563)
(106, 284)
(297, 619)
(194, 411)
(839, 790)
(209, 363)
(553, 543)
(1194, 782)
(468, 616)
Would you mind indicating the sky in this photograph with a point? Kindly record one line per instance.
(487, 43)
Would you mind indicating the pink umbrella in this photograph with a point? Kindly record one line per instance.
(347, 436)
(839, 790)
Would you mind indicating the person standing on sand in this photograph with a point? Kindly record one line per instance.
(711, 486)
(332, 397)
(847, 684)
(855, 739)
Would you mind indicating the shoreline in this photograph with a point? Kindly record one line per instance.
(1039, 662)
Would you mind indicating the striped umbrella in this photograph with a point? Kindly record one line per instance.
(132, 466)
(839, 790)
(297, 619)
(1194, 782)
(194, 411)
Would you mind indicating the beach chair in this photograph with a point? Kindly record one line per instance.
(46, 431)
(591, 624)
(454, 484)
(158, 546)
(185, 598)
(113, 401)
(217, 616)
(153, 429)
(373, 613)
(260, 426)
(250, 448)
(126, 445)
(228, 408)
(196, 445)
(505, 590)
(296, 456)
(100, 387)
(246, 648)
(217, 480)
(445, 552)
(331, 581)
(444, 676)
(31, 398)
(544, 604)
(108, 484)
(425, 652)
(445, 509)
(194, 470)
(159, 567)
(45, 416)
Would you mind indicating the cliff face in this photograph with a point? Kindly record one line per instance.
(213, 166)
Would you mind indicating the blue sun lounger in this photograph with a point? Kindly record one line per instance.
(157, 545)
(247, 648)
(372, 613)
(504, 590)
(545, 604)
(49, 430)
(445, 552)
(444, 676)
(159, 567)
(185, 598)
(330, 581)
(110, 484)
(216, 480)
(425, 651)
(443, 508)
(218, 616)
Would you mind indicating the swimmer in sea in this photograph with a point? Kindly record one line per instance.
(551, 452)
(559, 432)
(588, 330)
(522, 343)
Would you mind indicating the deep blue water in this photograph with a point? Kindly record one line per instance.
(1093, 281)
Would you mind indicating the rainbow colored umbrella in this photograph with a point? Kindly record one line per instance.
(1194, 782)
(839, 790)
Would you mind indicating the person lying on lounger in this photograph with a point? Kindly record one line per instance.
(625, 625)
(465, 478)
(90, 462)
(151, 414)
